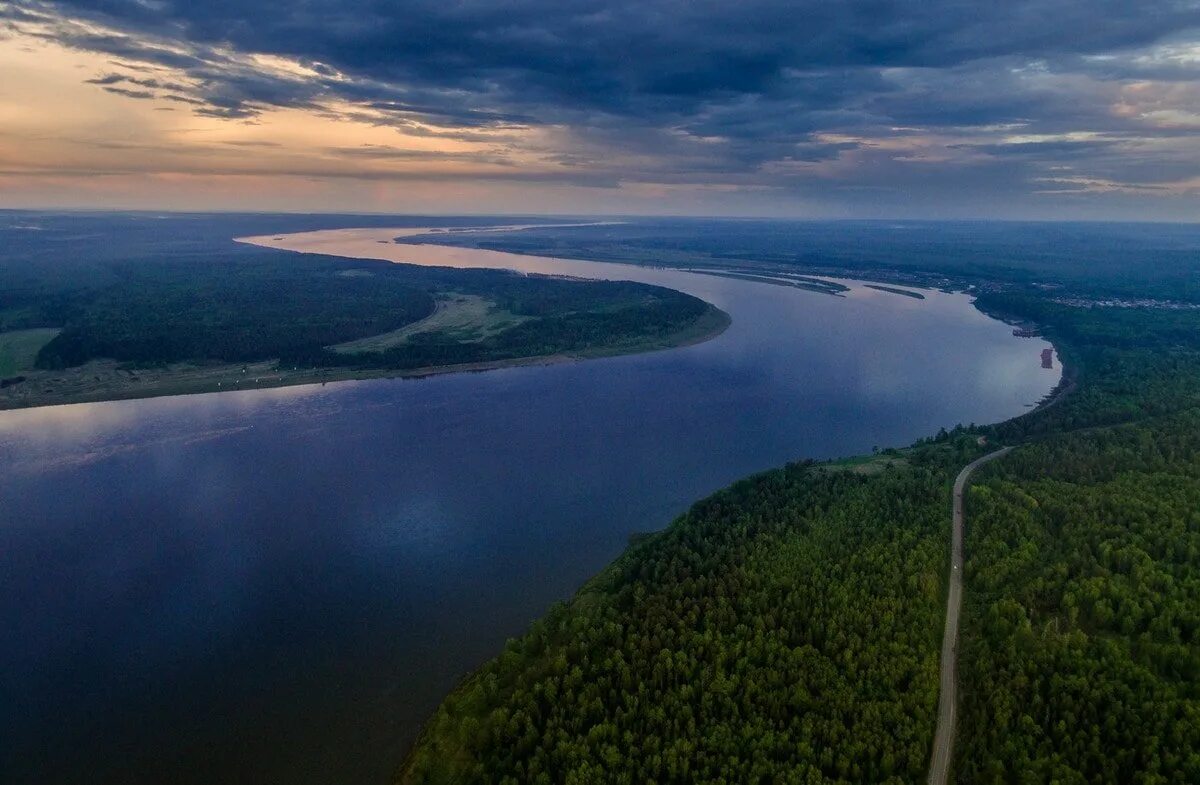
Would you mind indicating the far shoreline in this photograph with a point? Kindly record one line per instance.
(203, 379)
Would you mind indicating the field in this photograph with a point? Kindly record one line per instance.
(19, 349)
(869, 464)
(460, 317)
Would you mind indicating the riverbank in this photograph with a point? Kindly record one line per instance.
(107, 380)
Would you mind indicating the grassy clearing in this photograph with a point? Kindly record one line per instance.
(867, 464)
(19, 348)
(462, 317)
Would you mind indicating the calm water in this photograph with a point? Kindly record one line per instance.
(278, 586)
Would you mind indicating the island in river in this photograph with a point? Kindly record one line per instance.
(250, 318)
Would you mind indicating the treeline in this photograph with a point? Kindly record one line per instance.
(646, 321)
(1127, 363)
(271, 305)
(784, 630)
(146, 320)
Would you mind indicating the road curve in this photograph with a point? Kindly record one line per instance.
(943, 740)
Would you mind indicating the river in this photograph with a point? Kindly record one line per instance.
(279, 585)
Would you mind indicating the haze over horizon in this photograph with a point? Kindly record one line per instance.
(1046, 109)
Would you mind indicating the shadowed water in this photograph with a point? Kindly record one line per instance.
(278, 586)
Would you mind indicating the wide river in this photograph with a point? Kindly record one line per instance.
(278, 586)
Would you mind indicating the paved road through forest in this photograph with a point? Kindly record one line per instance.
(943, 740)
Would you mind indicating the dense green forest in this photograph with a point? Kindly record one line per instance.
(1081, 648)
(1081, 633)
(786, 629)
(169, 313)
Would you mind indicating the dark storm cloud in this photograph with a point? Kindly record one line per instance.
(623, 56)
(129, 93)
(658, 89)
(151, 84)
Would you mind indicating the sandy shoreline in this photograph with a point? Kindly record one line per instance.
(228, 377)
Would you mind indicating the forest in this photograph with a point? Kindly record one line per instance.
(787, 629)
(1081, 631)
(1082, 640)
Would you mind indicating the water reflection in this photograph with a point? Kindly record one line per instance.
(278, 585)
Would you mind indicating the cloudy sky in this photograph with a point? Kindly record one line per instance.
(807, 108)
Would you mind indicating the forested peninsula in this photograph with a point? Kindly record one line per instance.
(787, 628)
(97, 323)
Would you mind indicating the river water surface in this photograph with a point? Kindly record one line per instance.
(279, 585)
